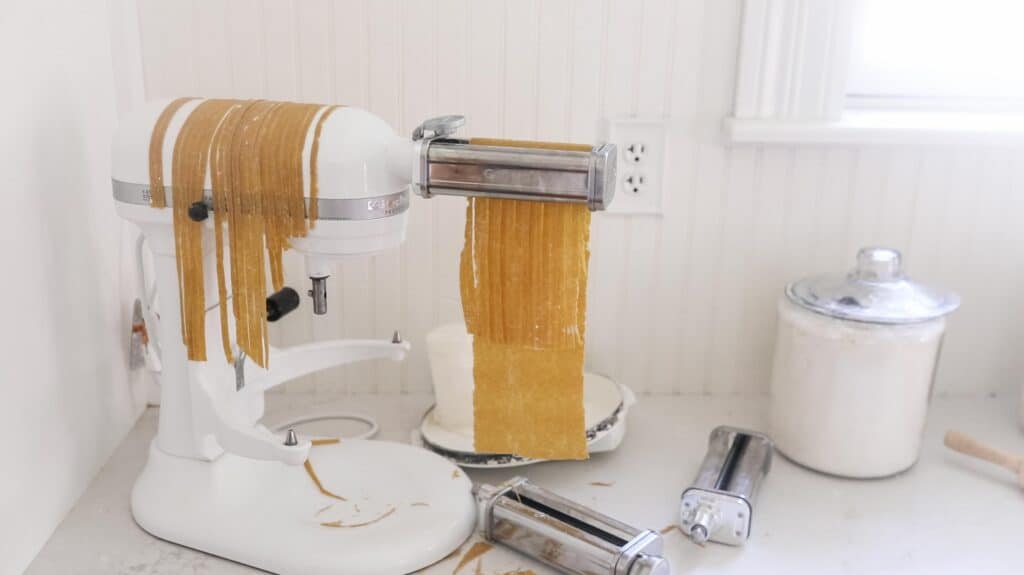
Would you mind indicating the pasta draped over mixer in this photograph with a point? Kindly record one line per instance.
(252, 153)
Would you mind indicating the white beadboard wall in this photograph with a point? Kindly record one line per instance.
(679, 303)
(68, 395)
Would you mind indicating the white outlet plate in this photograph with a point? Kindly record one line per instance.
(641, 164)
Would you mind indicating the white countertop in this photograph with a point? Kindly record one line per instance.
(948, 514)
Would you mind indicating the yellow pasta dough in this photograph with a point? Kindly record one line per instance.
(157, 195)
(253, 151)
(524, 280)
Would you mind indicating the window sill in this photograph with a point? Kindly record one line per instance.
(882, 127)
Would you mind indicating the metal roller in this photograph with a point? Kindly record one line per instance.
(516, 170)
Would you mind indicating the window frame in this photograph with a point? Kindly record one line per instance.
(791, 87)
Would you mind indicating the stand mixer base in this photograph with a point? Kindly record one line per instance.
(404, 508)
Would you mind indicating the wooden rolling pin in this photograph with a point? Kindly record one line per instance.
(969, 446)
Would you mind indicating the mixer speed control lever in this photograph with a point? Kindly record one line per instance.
(198, 211)
(282, 303)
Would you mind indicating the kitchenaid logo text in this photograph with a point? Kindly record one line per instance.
(387, 205)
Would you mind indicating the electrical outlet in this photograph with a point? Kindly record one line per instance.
(635, 183)
(641, 152)
(634, 152)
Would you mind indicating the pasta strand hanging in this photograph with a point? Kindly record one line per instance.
(523, 279)
(253, 150)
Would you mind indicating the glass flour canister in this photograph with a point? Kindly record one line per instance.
(854, 363)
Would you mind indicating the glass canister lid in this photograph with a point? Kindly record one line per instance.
(876, 291)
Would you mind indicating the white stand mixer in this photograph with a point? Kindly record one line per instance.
(217, 480)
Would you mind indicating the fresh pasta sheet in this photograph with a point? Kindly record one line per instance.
(524, 286)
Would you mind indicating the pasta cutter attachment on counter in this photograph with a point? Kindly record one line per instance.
(719, 505)
(565, 534)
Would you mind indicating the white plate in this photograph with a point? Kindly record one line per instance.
(605, 405)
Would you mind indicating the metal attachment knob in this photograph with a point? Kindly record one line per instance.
(702, 523)
(319, 295)
(699, 534)
(649, 565)
(439, 127)
(291, 440)
(239, 369)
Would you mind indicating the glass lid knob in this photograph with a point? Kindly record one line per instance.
(878, 265)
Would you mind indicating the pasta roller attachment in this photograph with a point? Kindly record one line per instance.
(510, 169)
(719, 505)
(565, 534)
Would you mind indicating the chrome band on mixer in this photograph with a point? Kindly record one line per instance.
(347, 209)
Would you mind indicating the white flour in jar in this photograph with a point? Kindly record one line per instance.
(850, 398)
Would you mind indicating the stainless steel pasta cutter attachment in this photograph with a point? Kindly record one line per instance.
(564, 534)
(720, 503)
